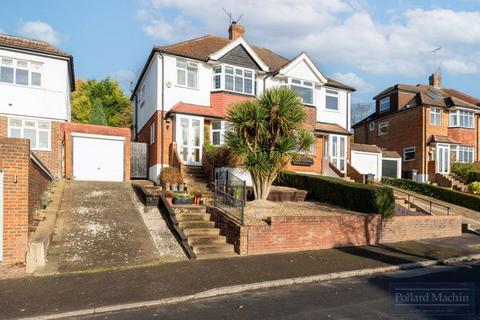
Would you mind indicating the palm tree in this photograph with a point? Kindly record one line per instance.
(266, 134)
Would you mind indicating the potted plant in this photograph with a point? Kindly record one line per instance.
(181, 184)
(183, 198)
(173, 184)
(167, 177)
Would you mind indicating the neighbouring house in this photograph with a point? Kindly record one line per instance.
(184, 90)
(430, 126)
(370, 159)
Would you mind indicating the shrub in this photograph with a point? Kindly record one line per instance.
(352, 196)
(170, 175)
(474, 186)
(221, 156)
(444, 194)
(468, 171)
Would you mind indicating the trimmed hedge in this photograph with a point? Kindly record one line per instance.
(469, 171)
(455, 197)
(352, 196)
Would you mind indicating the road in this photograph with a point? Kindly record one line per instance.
(357, 298)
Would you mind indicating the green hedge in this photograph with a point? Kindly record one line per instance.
(468, 171)
(352, 196)
(444, 194)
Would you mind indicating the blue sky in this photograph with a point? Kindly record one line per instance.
(368, 44)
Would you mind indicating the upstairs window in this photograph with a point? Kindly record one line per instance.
(38, 132)
(436, 116)
(460, 118)
(22, 72)
(187, 74)
(233, 79)
(152, 133)
(331, 99)
(385, 104)
(304, 90)
(382, 128)
(371, 126)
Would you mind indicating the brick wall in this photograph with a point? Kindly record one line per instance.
(290, 233)
(68, 128)
(154, 150)
(38, 182)
(220, 101)
(316, 167)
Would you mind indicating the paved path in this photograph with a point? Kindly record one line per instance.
(68, 292)
(99, 226)
(357, 298)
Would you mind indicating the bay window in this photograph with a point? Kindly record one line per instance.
(187, 73)
(465, 154)
(460, 118)
(233, 79)
(20, 72)
(304, 90)
(38, 132)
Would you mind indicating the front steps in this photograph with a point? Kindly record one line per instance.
(451, 181)
(204, 239)
(404, 203)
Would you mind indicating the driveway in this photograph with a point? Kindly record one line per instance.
(98, 227)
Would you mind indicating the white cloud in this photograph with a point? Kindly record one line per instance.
(39, 31)
(333, 32)
(355, 81)
(125, 77)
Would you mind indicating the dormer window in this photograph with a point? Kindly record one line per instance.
(233, 79)
(304, 90)
(385, 104)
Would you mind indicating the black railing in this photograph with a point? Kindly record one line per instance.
(430, 203)
(230, 195)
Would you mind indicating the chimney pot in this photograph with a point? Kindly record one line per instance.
(435, 80)
(235, 31)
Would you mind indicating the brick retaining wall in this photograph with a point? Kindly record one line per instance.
(299, 233)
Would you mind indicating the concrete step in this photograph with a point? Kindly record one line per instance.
(217, 256)
(206, 240)
(213, 249)
(188, 208)
(193, 232)
(196, 224)
(193, 217)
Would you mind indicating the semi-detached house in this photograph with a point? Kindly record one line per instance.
(184, 90)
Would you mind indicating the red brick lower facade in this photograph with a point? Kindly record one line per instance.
(291, 233)
(24, 182)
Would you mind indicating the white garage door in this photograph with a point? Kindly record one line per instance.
(98, 158)
(366, 162)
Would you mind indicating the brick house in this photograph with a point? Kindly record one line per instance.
(184, 90)
(430, 126)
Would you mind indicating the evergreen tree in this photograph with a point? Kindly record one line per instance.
(97, 116)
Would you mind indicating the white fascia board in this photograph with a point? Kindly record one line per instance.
(303, 57)
(97, 136)
(240, 41)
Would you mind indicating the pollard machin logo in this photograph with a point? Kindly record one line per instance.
(446, 299)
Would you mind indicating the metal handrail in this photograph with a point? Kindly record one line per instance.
(423, 199)
(231, 203)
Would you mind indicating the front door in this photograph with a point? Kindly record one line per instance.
(190, 139)
(443, 158)
(338, 151)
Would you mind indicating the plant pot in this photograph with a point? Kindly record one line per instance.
(181, 186)
(182, 200)
(174, 187)
(167, 186)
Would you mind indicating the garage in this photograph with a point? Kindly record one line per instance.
(98, 157)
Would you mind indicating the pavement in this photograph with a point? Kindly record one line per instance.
(355, 298)
(98, 226)
(34, 296)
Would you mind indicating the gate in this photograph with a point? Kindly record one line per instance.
(1, 215)
(139, 160)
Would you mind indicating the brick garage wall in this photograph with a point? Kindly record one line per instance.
(290, 233)
(15, 161)
(68, 128)
(38, 182)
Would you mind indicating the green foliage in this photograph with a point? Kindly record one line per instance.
(444, 194)
(352, 196)
(97, 116)
(221, 156)
(474, 186)
(170, 175)
(266, 134)
(468, 171)
(116, 105)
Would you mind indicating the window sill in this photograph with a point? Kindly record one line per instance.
(458, 127)
(185, 87)
(22, 86)
(42, 150)
(409, 160)
(332, 110)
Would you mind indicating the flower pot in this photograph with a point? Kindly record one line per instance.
(181, 186)
(174, 187)
(167, 186)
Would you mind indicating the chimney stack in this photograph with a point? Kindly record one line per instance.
(235, 31)
(435, 80)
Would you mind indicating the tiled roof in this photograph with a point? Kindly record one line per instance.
(462, 96)
(29, 44)
(365, 148)
(331, 128)
(390, 154)
(197, 110)
(441, 139)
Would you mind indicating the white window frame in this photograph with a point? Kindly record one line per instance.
(36, 128)
(152, 133)
(237, 73)
(436, 116)
(465, 149)
(409, 149)
(221, 131)
(383, 102)
(189, 66)
(292, 82)
(31, 67)
(371, 126)
(335, 94)
(382, 125)
(457, 117)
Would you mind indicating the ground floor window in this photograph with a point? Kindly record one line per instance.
(217, 133)
(37, 131)
(464, 154)
(409, 154)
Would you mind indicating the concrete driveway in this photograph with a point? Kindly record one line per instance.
(98, 227)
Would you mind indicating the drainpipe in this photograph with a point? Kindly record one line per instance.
(424, 147)
(162, 116)
(135, 124)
